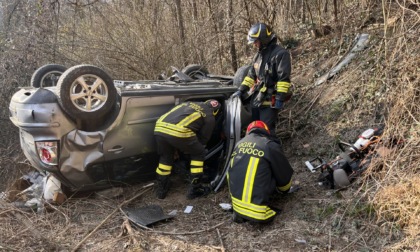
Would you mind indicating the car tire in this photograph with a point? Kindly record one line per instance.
(195, 71)
(340, 178)
(240, 75)
(87, 94)
(47, 75)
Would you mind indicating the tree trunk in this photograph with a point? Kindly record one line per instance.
(303, 11)
(326, 7)
(181, 30)
(234, 58)
(215, 22)
(309, 11)
(335, 12)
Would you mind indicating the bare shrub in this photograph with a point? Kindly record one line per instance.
(394, 180)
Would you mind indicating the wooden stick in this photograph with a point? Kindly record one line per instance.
(148, 187)
(130, 231)
(220, 239)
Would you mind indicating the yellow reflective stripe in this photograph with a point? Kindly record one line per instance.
(197, 163)
(173, 127)
(164, 173)
(263, 89)
(251, 210)
(196, 166)
(257, 216)
(197, 170)
(177, 130)
(249, 179)
(175, 133)
(172, 110)
(165, 167)
(283, 86)
(173, 130)
(249, 205)
(189, 119)
(248, 81)
(286, 187)
(266, 103)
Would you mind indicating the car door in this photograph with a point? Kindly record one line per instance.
(129, 147)
(236, 116)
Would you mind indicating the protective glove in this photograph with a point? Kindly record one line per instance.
(237, 94)
(258, 100)
(278, 104)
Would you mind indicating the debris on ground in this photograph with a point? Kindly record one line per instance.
(32, 191)
(145, 215)
(361, 42)
(352, 161)
(188, 209)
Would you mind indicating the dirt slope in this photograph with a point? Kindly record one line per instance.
(312, 219)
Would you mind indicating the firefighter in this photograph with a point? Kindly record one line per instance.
(258, 170)
(268, 79)
(187, 128)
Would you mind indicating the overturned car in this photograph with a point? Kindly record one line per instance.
(92, 132)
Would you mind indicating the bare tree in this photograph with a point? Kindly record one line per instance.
(233, 55)
(181, 28)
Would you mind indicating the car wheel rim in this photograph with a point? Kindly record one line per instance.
(88, 93)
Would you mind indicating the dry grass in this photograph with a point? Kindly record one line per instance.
(394, 181)
(401, 204)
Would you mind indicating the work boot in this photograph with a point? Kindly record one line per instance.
(275, 209)
(236, 218)
(162, 186)
(196, 189)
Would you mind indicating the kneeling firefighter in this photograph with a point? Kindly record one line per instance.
(258, 169)
(187, 128)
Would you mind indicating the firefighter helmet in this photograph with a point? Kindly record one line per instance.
(257, 125)
(261, 32)
(215, 105)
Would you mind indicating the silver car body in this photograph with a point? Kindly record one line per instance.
(125, 146)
